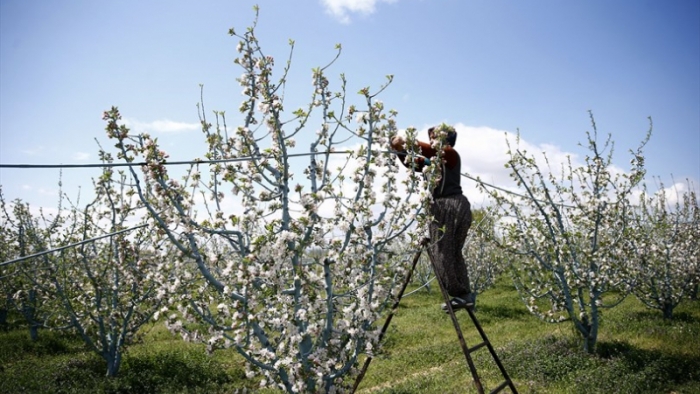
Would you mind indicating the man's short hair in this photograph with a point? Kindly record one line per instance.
(451, 137)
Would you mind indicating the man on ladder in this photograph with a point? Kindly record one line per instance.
(448, 232)
(451, 211)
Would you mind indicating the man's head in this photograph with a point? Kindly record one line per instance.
(450, 133)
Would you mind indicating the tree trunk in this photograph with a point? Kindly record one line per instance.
(4, 311)
(668, 311)
(29, 311)
(113, 364)
(589, 342)
(34, 332)
(589, 333)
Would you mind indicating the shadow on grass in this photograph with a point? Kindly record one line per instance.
(685, 317)
(677, 367)
(616, 367)
(655, 315)
(58, 362)
(170, 370)
(17, 344)
(500, 312)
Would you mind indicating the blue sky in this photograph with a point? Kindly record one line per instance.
(488, 66)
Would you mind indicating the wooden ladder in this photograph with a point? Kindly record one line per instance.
(465, 349)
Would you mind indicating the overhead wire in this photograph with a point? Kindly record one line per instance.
(169, 163)
(216, 161)
(39, 254)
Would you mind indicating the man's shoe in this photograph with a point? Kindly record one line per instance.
(459, 303)
(469, 301)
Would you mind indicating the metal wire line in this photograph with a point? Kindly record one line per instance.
(169, 163)
(237, 159)
(17, 260)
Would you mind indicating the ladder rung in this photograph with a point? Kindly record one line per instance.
(500, 387)
(476, 347)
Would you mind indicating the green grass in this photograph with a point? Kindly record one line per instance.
(638, 352)
(160, 363)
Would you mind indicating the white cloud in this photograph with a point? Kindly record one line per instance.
(674, 193)
(34, 151)
(48, 192)
(81, 156)
(340, 9)
(160, 126)
(484, 153)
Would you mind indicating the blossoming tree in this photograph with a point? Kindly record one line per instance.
(485, 260)
(5, 274)
(253, 217)
(90, 271)
(24, 234)
(665, 264)
(568, 230)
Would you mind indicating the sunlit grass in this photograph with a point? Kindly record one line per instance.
(638, 351)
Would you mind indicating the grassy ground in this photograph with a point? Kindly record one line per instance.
(638, 352)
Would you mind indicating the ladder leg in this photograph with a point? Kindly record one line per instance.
(467, 351)
(495, 357)
(391, 315)
(462, 341)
